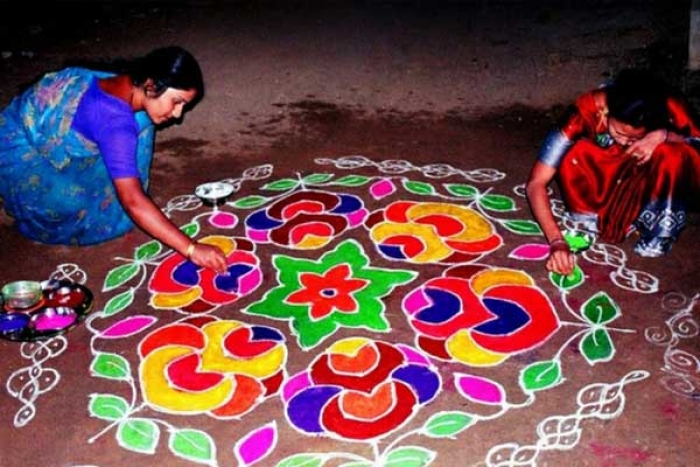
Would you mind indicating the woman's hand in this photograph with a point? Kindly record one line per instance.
(208, 256)
(643, 149)
(561, 259)
(151, 219)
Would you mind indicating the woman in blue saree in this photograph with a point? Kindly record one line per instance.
(76, 149)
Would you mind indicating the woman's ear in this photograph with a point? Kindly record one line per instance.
(149, 88)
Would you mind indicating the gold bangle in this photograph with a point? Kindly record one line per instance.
(190, 249)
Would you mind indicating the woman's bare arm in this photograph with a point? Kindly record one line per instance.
(139, 206)
(561, 259)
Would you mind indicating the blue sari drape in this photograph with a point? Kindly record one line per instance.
(53, 181)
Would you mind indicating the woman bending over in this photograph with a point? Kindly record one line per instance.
(76, 150)
(626, 162)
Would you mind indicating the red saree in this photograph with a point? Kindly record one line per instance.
(597, 179)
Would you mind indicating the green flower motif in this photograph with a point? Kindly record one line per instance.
(338, 290)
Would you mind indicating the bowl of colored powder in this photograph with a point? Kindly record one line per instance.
(21, 294)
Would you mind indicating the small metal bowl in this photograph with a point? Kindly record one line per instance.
(21, 294)
(214, 193)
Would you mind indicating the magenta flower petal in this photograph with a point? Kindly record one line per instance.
(128, 327)
(530, 252)
(382, 188)
(223, 220)
(256, 445)
(481, 390)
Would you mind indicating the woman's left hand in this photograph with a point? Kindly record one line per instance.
(643, 149)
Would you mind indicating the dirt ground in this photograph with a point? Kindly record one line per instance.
(408, 96)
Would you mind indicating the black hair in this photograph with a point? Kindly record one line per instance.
(638, 98)
(168, 67)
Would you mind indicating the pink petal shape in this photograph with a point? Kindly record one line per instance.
(295, 384)
(223, 220)
(413, 356)
(358, 217)
(256, 445)
(128, 327)
(416, 301)
(259, 236)
(249, 282)
(531, 252)
(382, 188)
(479, 389)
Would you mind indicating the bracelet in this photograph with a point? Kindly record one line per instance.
(558, 240)
(190, 249)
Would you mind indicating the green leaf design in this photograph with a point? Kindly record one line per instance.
(600, 309)
(358, 464)
(139, 435)
(315, 179)
(191, 229)
(461, 190)
(567, 282)
(148, 250)
(409, 456)
(302, 460)
(541, 375)
(369, 312)
(120, 275)
(497, 203)
(447, 424)
(108, 407)
(249, 202)
(193, 445)
(419, 188)
(523, 227)
(118, 303)
(281, 185)
(352, 180)
(597, 346)
(110, 366)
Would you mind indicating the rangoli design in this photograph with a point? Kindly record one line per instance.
(28, 383)
(403, 292)
(339, 290)
(179, 284)
(480, 316)
(681, 364)
(207, 366)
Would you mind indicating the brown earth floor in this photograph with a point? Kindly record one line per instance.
(469, 84)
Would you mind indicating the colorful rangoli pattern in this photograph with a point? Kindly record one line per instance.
(360, 389)
(305, 220)
(220, 368)
(432, 233)
(332, 267)
(480, 316)
(339, 290)
(179, 283)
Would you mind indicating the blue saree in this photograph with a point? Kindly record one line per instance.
(53, 181)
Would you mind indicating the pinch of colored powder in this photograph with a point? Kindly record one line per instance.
(13, 322)
(54, 321)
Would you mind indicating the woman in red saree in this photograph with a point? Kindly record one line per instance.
(626, 160)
